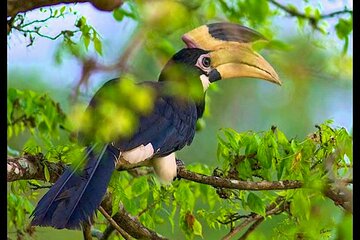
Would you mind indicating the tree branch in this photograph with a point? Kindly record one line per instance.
(129, 223)
(124, 234)
(342, 197)
(17, 6)
(29, 167)
(236, 184)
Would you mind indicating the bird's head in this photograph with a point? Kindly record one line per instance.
(220, 51)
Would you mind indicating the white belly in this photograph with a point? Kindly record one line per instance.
(164, 167)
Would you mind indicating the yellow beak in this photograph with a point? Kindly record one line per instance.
(229, 46)
(241, 61)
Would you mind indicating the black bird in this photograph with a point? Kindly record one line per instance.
(214, 52)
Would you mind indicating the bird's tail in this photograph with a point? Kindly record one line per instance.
(77, 193)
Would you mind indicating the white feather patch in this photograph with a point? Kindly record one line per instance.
(165, 167)
(205, 81)
(138, 154)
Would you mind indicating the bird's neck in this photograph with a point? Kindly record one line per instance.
(200, 107)
(185, 83)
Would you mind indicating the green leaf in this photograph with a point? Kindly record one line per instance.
(12, 94)
(9, 110)
(86, 40)
(62, 10)
(140, 185)
(118, 14)
(256, 204)
(97, 45)
(281, 138)
(184, 197)
(252, 145)
(300, 205)
(46, 173)
(211, 10)
(308, 11)
(197, 228)
(264, 155)
(279, 45)
(343, 28)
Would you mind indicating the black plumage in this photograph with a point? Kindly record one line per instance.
(169, 127)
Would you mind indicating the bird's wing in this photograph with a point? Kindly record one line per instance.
(169, 127)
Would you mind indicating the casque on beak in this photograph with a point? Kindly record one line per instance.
(229, 46)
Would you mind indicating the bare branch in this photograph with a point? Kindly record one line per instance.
(340, 196)
(124, 234)
(337, 189)
(31, 167)
(16, 6)
(129, 223)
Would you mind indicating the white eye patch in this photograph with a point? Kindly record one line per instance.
(205, 81)
(204, 63)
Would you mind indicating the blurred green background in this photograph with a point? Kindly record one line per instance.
(316, 76)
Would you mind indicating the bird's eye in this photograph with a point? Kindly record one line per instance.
(206, 62)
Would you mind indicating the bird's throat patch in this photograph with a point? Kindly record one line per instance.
(205, 81)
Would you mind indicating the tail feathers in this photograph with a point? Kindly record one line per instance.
(75, 196)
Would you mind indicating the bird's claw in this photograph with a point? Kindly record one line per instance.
(179, 163)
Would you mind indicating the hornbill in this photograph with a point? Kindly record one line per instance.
(213, 52)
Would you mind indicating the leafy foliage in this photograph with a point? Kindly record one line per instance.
(34, 112)
(252, 156)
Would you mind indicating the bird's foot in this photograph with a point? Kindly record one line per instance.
(179, 163)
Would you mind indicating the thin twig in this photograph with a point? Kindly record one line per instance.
(296, 13)
(36, 187)
(114, 224)
(275, 208)
(313, 20)
(42, 35)
(234, 217)
(16, 6)
(41, 20)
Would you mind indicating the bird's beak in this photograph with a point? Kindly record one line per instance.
(241, 61)
(231, 55)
